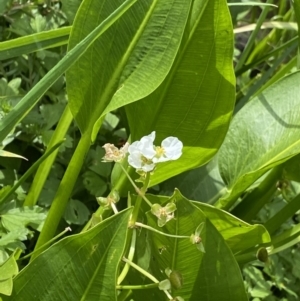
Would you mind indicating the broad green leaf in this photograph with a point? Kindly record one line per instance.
(128, 62)
(35, 42)
(203, 183)
(70, 7)
(195, 101)
(205, 275)
(239, 236)
(263, 134)
(79, 267)
(8, 123)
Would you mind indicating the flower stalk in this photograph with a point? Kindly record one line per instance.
(160, 232)
(130, 258)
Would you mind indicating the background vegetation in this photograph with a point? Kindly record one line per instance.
(266, 44)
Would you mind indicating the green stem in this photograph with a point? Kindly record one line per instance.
(47, 243)
(142, 271)
(130, 258)
(139, 192)
(245, 258)
(160, 232)
(137, 287)
(124, 295)
(99, 212)
(119, 185)
(44, 169)
(114, 208)
(29, 172)
(64, 191)
(138, 201)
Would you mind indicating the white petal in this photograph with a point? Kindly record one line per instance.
(148, 167)
(172, 142)
(148, 151)
(133, 147)
(134, 159)
(150, 137)
(160, 159)
(173, 148)
(144, 146)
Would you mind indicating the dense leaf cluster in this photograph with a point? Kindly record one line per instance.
(75, 75)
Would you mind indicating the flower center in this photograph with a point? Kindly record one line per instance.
(160, 151)
(163, 212)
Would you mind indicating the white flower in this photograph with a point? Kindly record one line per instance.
(113, 154)
(170, 149)
(143, 154)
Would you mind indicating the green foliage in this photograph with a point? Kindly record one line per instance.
(196, 267)
(260, 138)
(201, 83)
(7, 270)
(15, 226)
(133, 67)
(96, 252)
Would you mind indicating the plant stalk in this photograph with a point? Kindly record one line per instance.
(130, 257)
(137, 287)
(138, 202)
(64, 191)
(44, 169)
(160, 232)
(142, 271)
(47, 243)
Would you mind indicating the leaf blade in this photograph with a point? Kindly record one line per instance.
(35, 42)
(93, 257)
(31, 98)
(204, 274)
(191, 104)
(266, 121)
